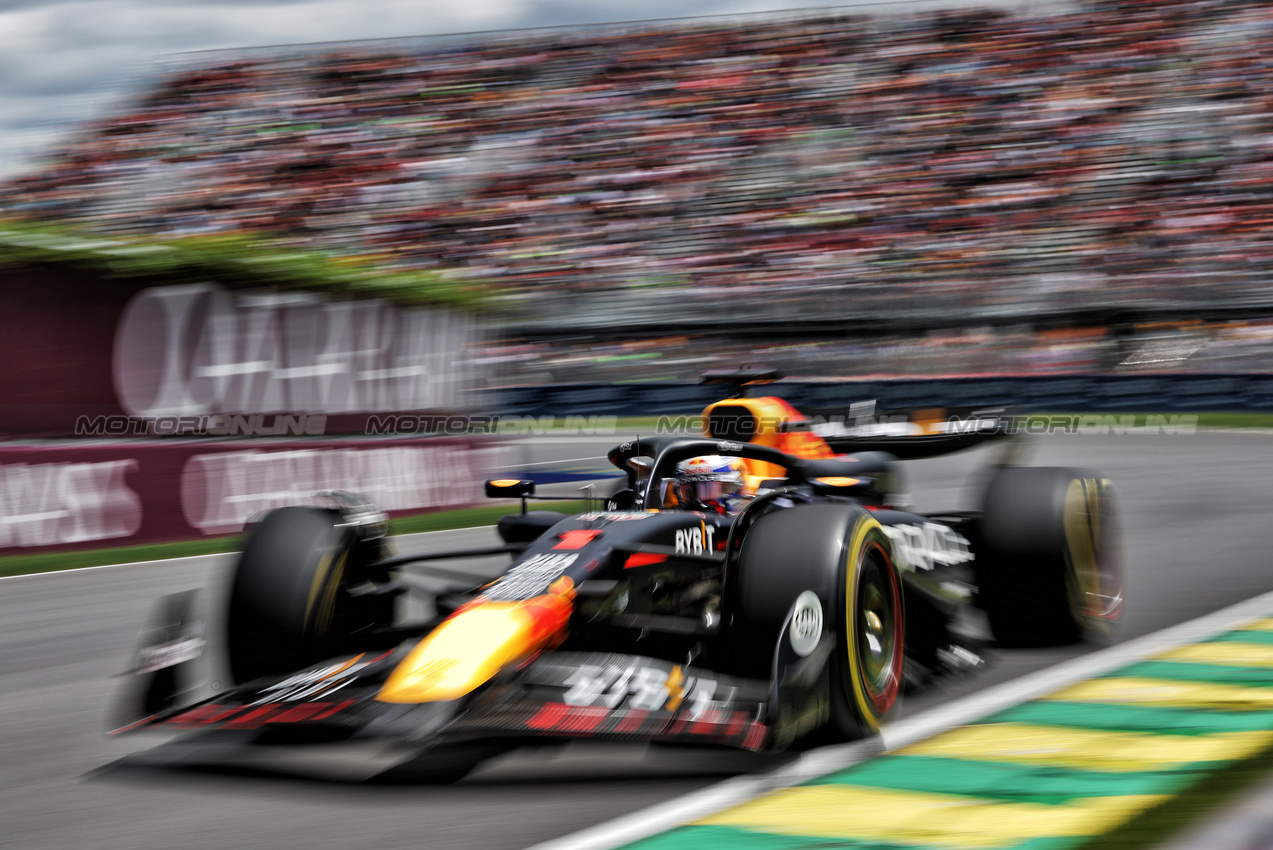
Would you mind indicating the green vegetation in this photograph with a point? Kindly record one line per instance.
(1204, 420)
(45, 562)
(236, 259)
(1180, 811)
(473, 517)
(1235, 420)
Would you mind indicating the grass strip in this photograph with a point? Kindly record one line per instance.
(1235, 420)
(48, 562)
(486, 515)
(1154, 826)
(45, 562)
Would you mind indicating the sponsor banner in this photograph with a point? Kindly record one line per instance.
(118, 357)
(76, 496)
(197, 350)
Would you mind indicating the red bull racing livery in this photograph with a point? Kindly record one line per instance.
(753, 587)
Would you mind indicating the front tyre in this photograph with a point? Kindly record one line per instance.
(840, 552)
(290, 604)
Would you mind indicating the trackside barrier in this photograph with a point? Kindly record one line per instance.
(1185, 392)
(74, 495)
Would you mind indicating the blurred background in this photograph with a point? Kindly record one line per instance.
(578, 220)
(893, 189)
(226, 276)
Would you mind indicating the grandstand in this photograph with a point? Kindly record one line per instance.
(1004, 168)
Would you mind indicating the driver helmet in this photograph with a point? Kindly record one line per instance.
(711, 482)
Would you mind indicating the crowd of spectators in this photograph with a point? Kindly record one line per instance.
(1175, 346)
(977, 351)
(1179, 346)
(966, 164)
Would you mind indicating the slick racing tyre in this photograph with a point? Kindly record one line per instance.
(840, 552)
(290, 604)
(1049, 561)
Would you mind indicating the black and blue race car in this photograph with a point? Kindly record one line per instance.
(754, 587)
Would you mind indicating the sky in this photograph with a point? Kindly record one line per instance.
(64, 62)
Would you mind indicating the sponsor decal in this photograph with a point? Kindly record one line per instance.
(151, 659)
(576, 538)
(639, 687)
(806, 623)
(431, 671)
(255, 716)
(44, 504)
(923, 547)
(615, 516)
(733, 727)
(192, 350)
(530, 577)
(695, 541)
(221, 491)
(642, 559)
(311, 683)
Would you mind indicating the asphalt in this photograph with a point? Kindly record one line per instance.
(1196, 534)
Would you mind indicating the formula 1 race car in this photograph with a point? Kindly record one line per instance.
(749, 588)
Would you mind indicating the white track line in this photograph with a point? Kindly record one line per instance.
(903, 733)
(50, 573)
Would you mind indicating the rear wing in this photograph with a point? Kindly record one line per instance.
(915, 436)
(913, 448)
(740, 379)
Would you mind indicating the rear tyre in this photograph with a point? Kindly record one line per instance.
(1050, 559)
(290, 605)
(840, 552)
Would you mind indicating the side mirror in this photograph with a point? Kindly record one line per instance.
(623, 500)
(509, 488)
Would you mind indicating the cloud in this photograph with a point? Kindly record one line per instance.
(63, 63)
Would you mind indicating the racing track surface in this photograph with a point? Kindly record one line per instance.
(1197, 538)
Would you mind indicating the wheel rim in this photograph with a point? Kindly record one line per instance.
(877, 623)
(1096, 570)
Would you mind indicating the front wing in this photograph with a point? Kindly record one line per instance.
(595, 695)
